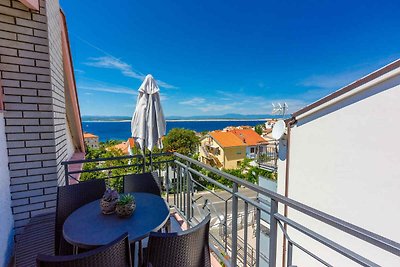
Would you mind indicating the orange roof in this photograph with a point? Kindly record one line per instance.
(248, 136)
(89, 135)
(226, 139)
(124, 146)
(237, 137)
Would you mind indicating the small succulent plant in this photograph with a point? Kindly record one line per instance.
(110, 195)
(126, 199)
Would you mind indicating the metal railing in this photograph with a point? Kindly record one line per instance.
(268, 159)
(195, 189)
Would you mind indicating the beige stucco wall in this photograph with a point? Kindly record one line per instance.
(345, 161)
(232, 155)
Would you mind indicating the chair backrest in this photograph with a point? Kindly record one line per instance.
(189, 248)
(143, 182)
(116, 253)
(69, 199)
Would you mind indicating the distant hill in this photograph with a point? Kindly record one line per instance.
(231, 116)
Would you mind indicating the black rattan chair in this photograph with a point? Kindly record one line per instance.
(144, 182)
(116, 253)
(70, 198)
(189, 248)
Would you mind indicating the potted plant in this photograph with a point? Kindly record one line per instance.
(126, 205)
(109, 201)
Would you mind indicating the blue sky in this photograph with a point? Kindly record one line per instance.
(217, 57)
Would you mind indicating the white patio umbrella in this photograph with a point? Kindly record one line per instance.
(148, 123)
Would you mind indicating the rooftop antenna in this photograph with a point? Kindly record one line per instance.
(280, 109)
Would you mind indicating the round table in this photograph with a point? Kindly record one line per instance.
(87, 227)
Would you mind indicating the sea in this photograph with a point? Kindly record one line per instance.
(120, 130)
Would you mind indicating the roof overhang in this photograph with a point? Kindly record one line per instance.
(32, 4)
(72, 105)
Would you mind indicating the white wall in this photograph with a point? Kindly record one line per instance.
(345, 160)
(70, 142)
(6, 218)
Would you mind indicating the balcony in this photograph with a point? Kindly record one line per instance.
(246, 219)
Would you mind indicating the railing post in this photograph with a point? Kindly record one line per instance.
(226, 225)
(273, 235)
(144, 163)
(167, 182)
(188, 193)
(258, 232)
(289, 254)
(245, 226)
(234, 224)
(66, 172)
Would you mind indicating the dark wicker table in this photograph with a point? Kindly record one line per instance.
(87, 227)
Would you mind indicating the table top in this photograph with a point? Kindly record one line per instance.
(88, 227)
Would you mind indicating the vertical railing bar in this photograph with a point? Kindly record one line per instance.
(188, 206)
(180, 187)
(184, 191)
(167, 181)
(273, 233)
(234, 224)
(226, 225)
(175, 184)
(151, 161)
(144, 162)
(289, 254)
(66, 174)
(258, 230)
(246, 212)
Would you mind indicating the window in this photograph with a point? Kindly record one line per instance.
(261, 149)
(252, 150)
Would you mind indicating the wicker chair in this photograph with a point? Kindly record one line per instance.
(144, 182)
(189, 248)
(70, 198)
(117, 253)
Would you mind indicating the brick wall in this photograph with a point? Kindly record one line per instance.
(32, 79)
(57, 85)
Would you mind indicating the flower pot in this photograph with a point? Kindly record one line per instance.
(108, 207)
(125, 210)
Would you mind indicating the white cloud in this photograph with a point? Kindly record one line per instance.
(333, 81)
(193, 101)
(107, 88)
(110, 62)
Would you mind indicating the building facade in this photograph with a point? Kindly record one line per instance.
(91, 140)
(337, 165)
(227, 149)
(40, 121)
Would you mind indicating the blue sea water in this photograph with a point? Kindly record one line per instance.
(120, 130)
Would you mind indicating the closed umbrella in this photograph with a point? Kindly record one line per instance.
(148, 123)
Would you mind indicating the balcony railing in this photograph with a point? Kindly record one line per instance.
(268, 159)
(238, 209)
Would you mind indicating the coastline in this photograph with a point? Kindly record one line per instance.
(188, 120)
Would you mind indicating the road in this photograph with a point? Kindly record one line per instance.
(216, 202)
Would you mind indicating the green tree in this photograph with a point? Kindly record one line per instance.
(181, 140)
(259, 129)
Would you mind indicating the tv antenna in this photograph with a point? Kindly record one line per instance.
(280, 109)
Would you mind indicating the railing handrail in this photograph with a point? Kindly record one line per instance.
(114, 158)
(363, 234)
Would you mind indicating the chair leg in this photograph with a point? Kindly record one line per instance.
(140, 252)
(133, 252)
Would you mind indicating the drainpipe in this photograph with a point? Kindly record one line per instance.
(289, 124)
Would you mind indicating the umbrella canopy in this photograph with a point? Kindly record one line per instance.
(148, 123)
